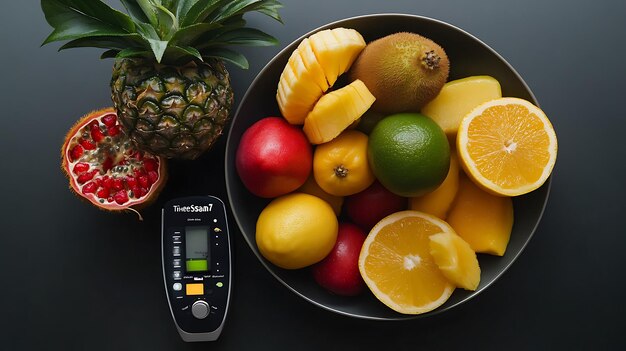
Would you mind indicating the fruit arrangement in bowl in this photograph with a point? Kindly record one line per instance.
(388, 166)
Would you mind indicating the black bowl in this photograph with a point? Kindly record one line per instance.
(468, 56)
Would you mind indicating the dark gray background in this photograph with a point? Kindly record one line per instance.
(76, 278)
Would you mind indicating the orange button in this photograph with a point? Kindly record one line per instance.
(195, 289)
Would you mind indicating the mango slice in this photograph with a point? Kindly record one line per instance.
(311, 187)
(457, 98)
(439, 201)
(483, 220)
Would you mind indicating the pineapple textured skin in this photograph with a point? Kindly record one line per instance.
(170, 87)
(172, 111)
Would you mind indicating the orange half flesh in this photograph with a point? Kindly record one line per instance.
(397, 266)
(507, 146)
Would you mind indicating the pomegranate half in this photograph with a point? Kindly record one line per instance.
(105, 168)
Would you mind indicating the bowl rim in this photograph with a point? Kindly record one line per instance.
(228, 175)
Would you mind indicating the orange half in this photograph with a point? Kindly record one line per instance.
(396, 264)
(507, 146)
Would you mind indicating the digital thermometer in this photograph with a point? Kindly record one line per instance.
(196, 259)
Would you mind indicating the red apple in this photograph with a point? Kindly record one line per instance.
(273, 158)
(339, 271)
(371, 205)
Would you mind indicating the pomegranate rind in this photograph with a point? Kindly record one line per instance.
(133, 204)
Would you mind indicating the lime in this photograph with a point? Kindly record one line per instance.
(409, 154)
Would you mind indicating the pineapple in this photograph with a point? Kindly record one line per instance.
(170, 87)
(313, 68)
(336, 111)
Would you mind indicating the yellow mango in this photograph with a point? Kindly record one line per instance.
(336, 111)
(311, 187)
(483, 220)
(439, 201)
(457, 98)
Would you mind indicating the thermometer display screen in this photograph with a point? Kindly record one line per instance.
(197, 249)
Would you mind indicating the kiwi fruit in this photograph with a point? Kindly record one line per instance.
(404, 71)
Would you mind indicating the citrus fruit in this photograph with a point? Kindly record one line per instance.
(368, 121)
(273, 157)
(311, 187)
(409, 154)
(507, 146)
(396, 264)
(340, 167)
(456, 260)
(296, 230)
(482, 219)
(439, 201)
(457, 98)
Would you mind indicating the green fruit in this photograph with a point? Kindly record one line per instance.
(368, 121)
(409, 154)
(404, 71)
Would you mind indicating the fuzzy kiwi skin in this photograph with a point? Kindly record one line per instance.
(396, 70)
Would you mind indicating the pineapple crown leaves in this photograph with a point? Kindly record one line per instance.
(168, 31)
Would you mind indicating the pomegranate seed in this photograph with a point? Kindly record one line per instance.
(107, 164)
(136, 191)
(98, 181)
(76, 152)
(117, 184)
(87, 176)
(113, 131)
(109, 120)
(142, 192)
(143, 181)
(139, 172)
(94, 125)
(152, 177)
(103, 193)
(80, 167)
(87, 144)
(89, 188)
(131, 182)
(110, 199)
(107, 182)
(97, 135)
(150, 164)
(121, 197)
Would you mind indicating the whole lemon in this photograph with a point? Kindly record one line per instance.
(296, 230)
(409, 154)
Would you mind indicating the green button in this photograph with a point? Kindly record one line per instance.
(219, 284)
